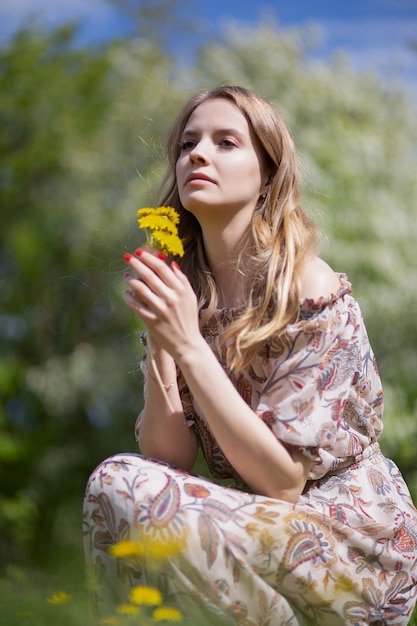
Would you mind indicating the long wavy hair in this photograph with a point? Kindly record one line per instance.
(280, 238)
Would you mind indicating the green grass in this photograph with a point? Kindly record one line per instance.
(24, 598)
(24, 590)
(24, 595)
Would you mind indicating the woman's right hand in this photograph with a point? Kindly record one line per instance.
(162, 297)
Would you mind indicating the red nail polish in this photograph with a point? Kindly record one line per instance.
(162, 256)
(126, 275)
(127, 257)
(138, 251)
(175, 265)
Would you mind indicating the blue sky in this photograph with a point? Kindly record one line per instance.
(372, 32)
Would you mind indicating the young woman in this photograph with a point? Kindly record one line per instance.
(265, 360)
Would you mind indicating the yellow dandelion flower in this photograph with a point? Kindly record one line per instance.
(167, 211)
(145, 211)
(170, 212)
(157, 222)
(168, 243)
(167, 614)
(159, 550)
(126, 549)
(59, 597)
(145, 596)
(154, 549)
(160, 225)
(128, 609)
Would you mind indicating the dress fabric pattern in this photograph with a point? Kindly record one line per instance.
(345, 553)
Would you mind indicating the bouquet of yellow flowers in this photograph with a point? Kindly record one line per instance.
(161, 227)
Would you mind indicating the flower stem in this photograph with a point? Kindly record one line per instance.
(157, 375)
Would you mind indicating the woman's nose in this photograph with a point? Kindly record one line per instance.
(197, 155)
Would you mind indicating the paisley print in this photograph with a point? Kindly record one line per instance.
(344, 554)
(160, 517)
(301, 547)
(164, 507)
(321, 540)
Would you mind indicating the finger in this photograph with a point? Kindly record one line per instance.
(151, 257)
(158, 253)
(139, 307)
(139, 290)
(154, 272)
(145, 255)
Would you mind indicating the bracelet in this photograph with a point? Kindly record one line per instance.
(169, 385)
(166, 387)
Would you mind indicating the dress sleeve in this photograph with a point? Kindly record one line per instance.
(312, 386)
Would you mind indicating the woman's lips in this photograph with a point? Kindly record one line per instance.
(198, 178)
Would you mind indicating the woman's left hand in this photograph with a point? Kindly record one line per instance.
(162, 297)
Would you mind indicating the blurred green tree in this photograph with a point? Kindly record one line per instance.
(49, 93)
(77, 151)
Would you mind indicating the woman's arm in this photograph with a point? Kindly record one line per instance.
(164, 433)
(250, 446)
(167, 305)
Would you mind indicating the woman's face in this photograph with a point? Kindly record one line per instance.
(219, 166)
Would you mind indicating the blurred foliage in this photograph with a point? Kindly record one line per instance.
(81, 138)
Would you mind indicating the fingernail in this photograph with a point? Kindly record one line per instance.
(138, 251)
(162, 256)
(127, 257)
(175, 265)
(126, 275)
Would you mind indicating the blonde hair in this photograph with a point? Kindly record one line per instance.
(281, 235)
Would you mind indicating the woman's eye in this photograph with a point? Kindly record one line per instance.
(228, 143)
(187, 144)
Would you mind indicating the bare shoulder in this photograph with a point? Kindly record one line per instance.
(317, 279)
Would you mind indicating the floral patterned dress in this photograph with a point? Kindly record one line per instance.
(345, 553)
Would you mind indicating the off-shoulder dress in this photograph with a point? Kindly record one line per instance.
(345, 553)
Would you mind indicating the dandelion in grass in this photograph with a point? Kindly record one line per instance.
(167, 549)
(128, 609)
(145, 596)
(161, 229)
(153, 549)
(126, 549)
(167, 614)
(59, 597)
